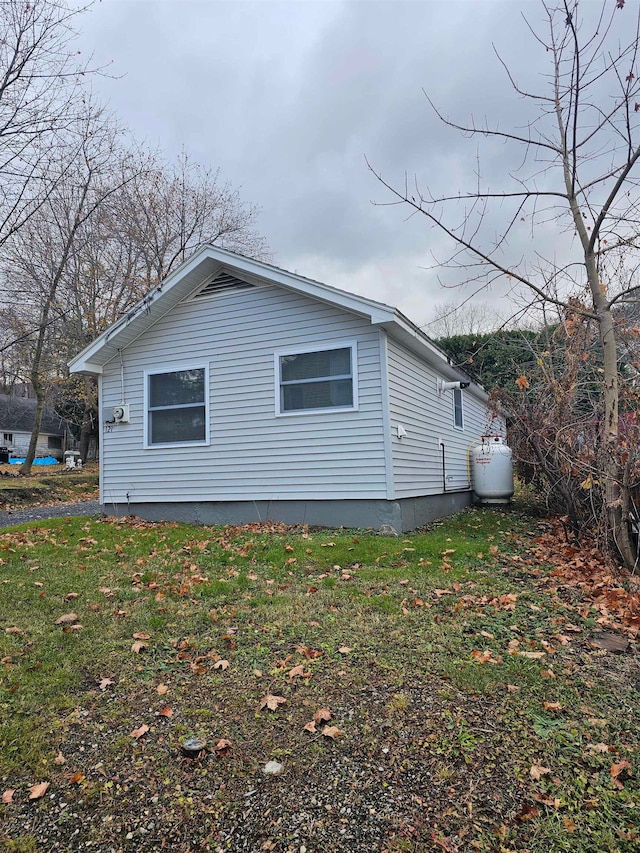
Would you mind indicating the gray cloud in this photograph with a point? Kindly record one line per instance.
(287, 98)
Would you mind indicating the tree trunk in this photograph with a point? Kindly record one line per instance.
(25, 468)
(611, 464)
(89, 419)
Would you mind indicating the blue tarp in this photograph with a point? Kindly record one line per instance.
(39, 460)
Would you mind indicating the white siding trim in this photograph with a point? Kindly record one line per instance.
(386, 418)
(453, 408)
(170, 368)
(100, 442)
(352, 344)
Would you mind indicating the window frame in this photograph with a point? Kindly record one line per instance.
(459, 408)
(317, 347)
(177, 368)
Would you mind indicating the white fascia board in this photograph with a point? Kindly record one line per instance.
(80, 363)
(376, 312)
(88, 369)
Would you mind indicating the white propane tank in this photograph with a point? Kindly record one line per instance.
(492, 470)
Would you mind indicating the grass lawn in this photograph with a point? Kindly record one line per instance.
(434, 692)
(46, 485)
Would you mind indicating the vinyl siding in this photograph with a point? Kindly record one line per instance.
(427, 416)
(20, 444)
(252, 455)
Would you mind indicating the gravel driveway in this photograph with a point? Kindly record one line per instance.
(36, 513)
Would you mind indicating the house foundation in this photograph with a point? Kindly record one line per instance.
(403, 515)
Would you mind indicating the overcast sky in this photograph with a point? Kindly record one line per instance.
(287, 99)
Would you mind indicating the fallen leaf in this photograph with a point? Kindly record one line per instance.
(311, 654)
(331, 731)
(599, 747)
(222, 745)
(344, 650)
(7, 796)
(137, 733)
(70, 596)
(554, 802)
(310, 727)
(533, 655)
(166, 712)
(485, 656)
(38, 791)
(104, 683)
(139, 636)
(68, 617)
(298, 671)
(552, 706)
(77, 778)
(569, 825)
(271, 702)
(616, 769)
(527, 812)
(537, 771)
(445, 844)
(138, 646)
(161, 689)
(221, 664)
(13, 630)
(59, 759)
(68, 628)
(322, 715)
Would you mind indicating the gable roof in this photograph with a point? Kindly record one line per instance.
(17, 414)
(211, 269)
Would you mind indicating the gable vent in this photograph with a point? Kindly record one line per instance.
(222, 283)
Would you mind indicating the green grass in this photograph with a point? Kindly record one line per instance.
(46, 487)
(406, 640)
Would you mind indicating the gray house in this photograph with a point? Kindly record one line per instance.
(17, 416)
(237, 391)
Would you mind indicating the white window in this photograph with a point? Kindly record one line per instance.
(458, 420)
(317, 379)
(8, 437)
(177, 406)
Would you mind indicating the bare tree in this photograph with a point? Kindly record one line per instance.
(35, 260)
(471, 318)
(42, 85)
(576, 186)
(141, 232)
(175, 208)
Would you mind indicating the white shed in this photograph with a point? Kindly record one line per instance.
(237, 391)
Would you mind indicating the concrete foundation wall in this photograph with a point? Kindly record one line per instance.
(403, 515)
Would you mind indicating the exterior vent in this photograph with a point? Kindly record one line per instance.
(222, 283)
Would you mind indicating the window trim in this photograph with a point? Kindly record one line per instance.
(317, 347)
(461, 407)
(174, 368)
